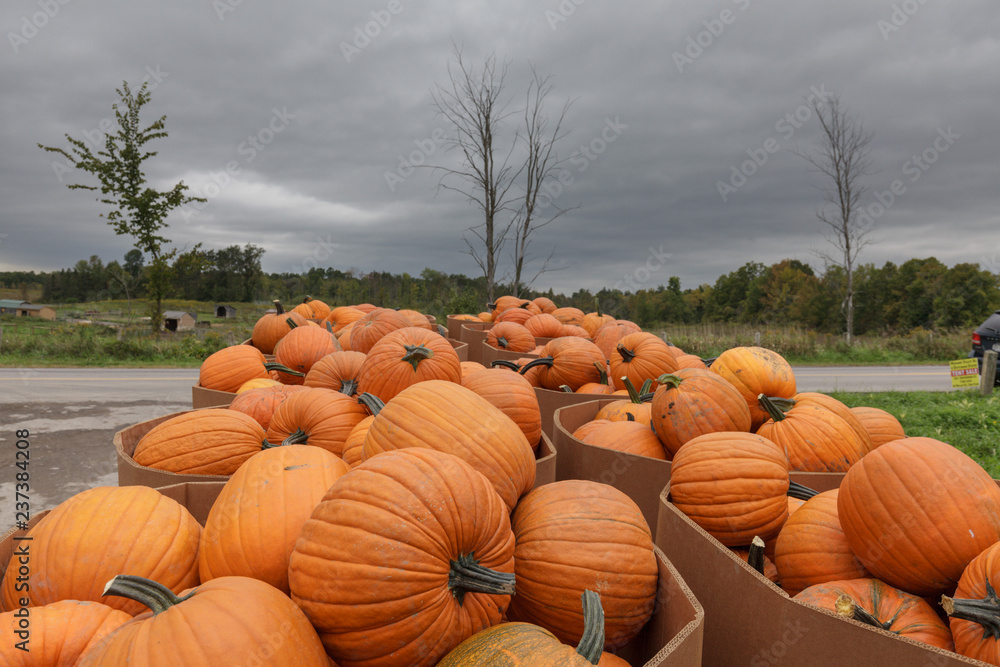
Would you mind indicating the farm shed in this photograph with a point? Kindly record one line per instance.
(222, 310)
(178, 320)
(25, 309)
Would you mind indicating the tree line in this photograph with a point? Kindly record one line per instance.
(917, 294)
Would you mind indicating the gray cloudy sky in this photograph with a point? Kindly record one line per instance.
(291, 119)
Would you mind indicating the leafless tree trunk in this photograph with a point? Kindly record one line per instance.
(843, 158)
(540, 164)
(472, 104)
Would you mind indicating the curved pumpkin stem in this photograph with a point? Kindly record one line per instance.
(646, 386)
(372, 402)
(349, 387)
(272, 366)
(629, 417)
(756, 557)
(541, 361)
(278, 308)
(985, 612)
(627, 354)
(800, 492)
(670, 380)
(848, 608)
(708, 362)
(646, 398)
(603, 372)
(299, 437)
(491, 306)
(291, 323)
(154, 595)
(502, 343)
(633, 395)
(770, 407)
(505, 363)
(467, 575)
(592, 642)
(415, 354)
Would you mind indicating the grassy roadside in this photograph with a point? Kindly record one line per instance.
(964, 419)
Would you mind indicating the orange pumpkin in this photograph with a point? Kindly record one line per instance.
(510, 336)
(516, 315)
(231, 367)
(341, 316)
(568, 361)
(607, 337)
(881, 426)
(755, 371)
(261, 403)
(312, 309)
(631, 437)
(816, 439)
(634, 409)
(369, 329)
(417, 319)
(693, 402)
(974, 609)
(543, 325)
(272, 327)
(405, 357)
(568, 315)
(640, 357)
(318, 417)
(545, 304)
(337, 371)
(301, 348)
(57, 634)
(513, 395)
(213, 441)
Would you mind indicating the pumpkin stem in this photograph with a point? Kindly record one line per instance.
(491, 306)
(154, 595)
(415, 354)
(627, 354)
(307, 299)
(505, 363)
(633, 395)
(708, 362)
(796, 490)
(349, 387)
(848, 608)
(565, 388)
(299, 437)
(291, 323)
(468, 575)
(772, 410)
(372, 402)
(646, 386)
(756, 557)
(540, 361)
(602, 370)
(629, 417)
(592, 642)
(985, 612)
(278, 308)
(670, 380)
(646, 398)
(281, 368)
(502, 343)
(783, 404)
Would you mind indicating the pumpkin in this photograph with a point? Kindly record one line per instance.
(733, 485)
(213, 441)
(816, 439)
(301, 348)
(513, 395)
(916, 511)
(692, 402)
(405, 357)
(545, 304)
(257, 383)
(974, 609)
(881, 426)
(568, 315)
(514, 644)
(755, 371)
(690, 361)
(544, 325)
(377, 323)
(515, 315)
(876, 603)
(569, 361)
(558, 527)
(231, 367)
(607, 337)
(601, 387)
(470, 367)
(316, 417)
(485, 317)
(341, 316)
(354, 445)
(272, 327)
(259, 513)
(312, 309)
(337, 371)
(365, 307)
(57, 634)
(416, 318)
(640, 357)
(591, 322)
(631, 437)
(507, 302)
(97, 533)
(589, 428)
(756, 558)
(261, 403)
(448, 417)
(633, 409)
(831, 404)
(417, 539)
(573, 330)
(344, 337)
(225, 621)
(811, 548)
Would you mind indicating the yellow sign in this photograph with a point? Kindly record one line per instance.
(965, 372)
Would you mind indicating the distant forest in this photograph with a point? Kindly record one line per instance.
(918, 294)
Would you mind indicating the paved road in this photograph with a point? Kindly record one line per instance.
(873, 378)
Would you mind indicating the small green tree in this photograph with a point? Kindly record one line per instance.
(137, 210)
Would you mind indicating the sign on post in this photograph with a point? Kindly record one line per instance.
(965, 372)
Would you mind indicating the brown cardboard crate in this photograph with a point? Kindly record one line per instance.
(549, 401)
(546, 462)
(750, 621)
(454, 326)
(210, 398)
(461, 349)
(489, 354)
(267, 357)
(131, 473)
(641, 478)
(473, 334)
(673, 636)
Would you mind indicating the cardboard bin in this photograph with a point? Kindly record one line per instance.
(641, 478)
(549, 401)
(546, 462)
(489, 354)
(454, 326)
(750, 621)
(473, 334)
(461, 349)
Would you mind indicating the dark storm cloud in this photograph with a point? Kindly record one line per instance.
(301, 128)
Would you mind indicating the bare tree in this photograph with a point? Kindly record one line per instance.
(843, 158)
(473, 105)
(540, 164)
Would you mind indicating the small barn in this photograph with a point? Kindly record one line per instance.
(178, 320)
(222, 310)
(9, 306)
(36, 310)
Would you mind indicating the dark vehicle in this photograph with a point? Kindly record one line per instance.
(987, 337)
